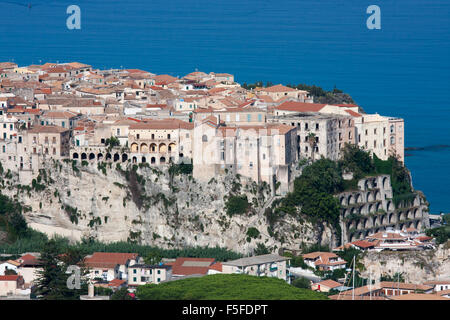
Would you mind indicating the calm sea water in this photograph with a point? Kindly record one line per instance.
(401, 70)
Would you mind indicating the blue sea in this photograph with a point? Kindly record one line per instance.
(401, 70)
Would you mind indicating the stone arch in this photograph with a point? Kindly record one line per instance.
(171, 147)
(416, 201)
(83, 156)
(134, 147)
(351, 200)
(389, 206)
(342, 201)
(357, 198)
(144, 160)
(352, 210)
(385, 183)
(374, 221)
(75, 155)
(116, 157)
(382, 219)
(91, 156)
(370, 197)
(417, 213)
(418, 225)
(378, 206)
(153, 147)
(162, 160)
(366, 184)
(401, 226)
(377, 195)
(181, 155)
(153, 160)
(124, 157)
(162, 149)
(134, 159)
(370, 208)
(108, 156)
(144, 148)
(100, 156)
(410, 214)
(390, 218)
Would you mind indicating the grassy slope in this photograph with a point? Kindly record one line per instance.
(226, 287)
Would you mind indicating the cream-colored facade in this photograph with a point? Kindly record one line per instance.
(384, 136)
(261, 153)
(329, 132)
(233, 116)
(141, 274)
(269, 265)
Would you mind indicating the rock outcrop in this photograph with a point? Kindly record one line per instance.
(148, 205)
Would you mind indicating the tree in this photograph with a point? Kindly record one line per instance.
(121, 294)
(52, 279)
(261, 249)
(302, 283)
(153, 257)
(312, 143)
(10, 272)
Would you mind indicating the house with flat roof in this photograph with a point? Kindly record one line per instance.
(269, 265)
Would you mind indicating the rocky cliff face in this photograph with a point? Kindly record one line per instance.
(111, 202)
(417, 267)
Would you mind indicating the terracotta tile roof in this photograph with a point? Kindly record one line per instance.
(300, 106)
(189, 266)
(404, 286)
(216, 266)
(162, 124)
(418, 296)
(363, 244)
(108, 259)
(353, 113)
(329, 283)
(116, 283)
(435, 282)
(278, 88)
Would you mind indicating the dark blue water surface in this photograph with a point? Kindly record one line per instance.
(401, 70)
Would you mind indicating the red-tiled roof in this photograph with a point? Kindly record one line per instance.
(300, 106)
(187, 266)
(216, 266)
(108, 259)
(116, 283)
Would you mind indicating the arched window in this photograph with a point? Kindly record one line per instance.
(205, 138)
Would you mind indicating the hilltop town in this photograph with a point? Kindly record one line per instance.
(220, 147)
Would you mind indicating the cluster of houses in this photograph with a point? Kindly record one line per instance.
(392, 240)
(118, 270)
(72, 111)
(376, 289)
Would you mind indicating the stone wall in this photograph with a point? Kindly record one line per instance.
(371, 209)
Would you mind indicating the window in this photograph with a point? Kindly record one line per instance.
(138, 136)
(259, 117)
(392, 140)
(205, 138)
(54, 140)
(10, 127)
(134, 279)
(159, 280)
(375, 131)
(187, 135)
(153, 136)
(168, 136)
(63, 124)
(306, 126)
(159, 271)
(237, 117)
(367, 132)
(251, 164)
(392, 129)
(249, 117)
(317, 126)
(118, 131)
(134, 271)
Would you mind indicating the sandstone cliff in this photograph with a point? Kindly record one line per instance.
(111, 202)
